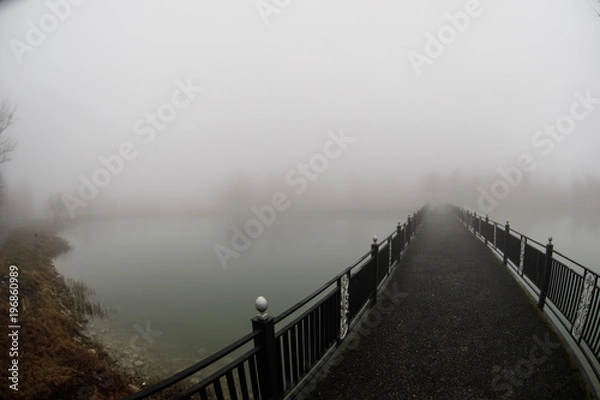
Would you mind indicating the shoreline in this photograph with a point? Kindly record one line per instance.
(55, 358)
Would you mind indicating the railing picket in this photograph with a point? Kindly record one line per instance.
(553, 288)
(218, 390)
(306, 326)
(243, 382)
(286, 358)
(231, 386)
(321, 332)
(279, 368)
(335, 315)
(326, 322)
(568, 294)
(562, 289)
(301, 348)
(309, 341)
(329, 317)
(576, 287)
(294, 334)
(203, 394)
(254, 377)
(329, 322)
(315, 335)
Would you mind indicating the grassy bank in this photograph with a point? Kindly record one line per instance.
(55, 361)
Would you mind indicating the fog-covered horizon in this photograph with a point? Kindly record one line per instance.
(219, 105)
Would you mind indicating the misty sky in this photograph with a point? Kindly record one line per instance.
(270, 93)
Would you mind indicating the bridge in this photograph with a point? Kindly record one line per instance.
(450, 305)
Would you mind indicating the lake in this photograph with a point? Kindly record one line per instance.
(177, 304)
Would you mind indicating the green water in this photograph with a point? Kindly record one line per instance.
(176, 302)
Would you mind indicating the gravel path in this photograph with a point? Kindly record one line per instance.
(462, 329)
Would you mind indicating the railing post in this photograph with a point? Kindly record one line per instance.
(389, 260)
(400, 239)
(495, 235)
(547, 270)
(474, 222)
(506, 234)
(375, 255)
(403, 237)
(268, 372)
(415, 223)
(408, 230)
(485, 235)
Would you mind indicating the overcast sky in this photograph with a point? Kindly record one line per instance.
(274, 84)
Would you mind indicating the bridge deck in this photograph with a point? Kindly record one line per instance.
(454, 325)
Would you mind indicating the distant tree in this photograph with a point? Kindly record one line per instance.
(57, 209)
(7, 145)
(7, 118)
(20, 201)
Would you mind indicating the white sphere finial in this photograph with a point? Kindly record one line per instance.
(261, 305)
(375, 239)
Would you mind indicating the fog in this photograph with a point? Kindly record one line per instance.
(248, 92)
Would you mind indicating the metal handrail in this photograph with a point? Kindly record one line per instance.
(178, 377)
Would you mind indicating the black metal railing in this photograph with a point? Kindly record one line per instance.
(571, 290)
(277, 357)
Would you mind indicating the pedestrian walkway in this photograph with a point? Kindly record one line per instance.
(464, 329)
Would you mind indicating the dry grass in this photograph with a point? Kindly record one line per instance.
(55, 360)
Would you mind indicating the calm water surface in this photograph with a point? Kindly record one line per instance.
(176, 303)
